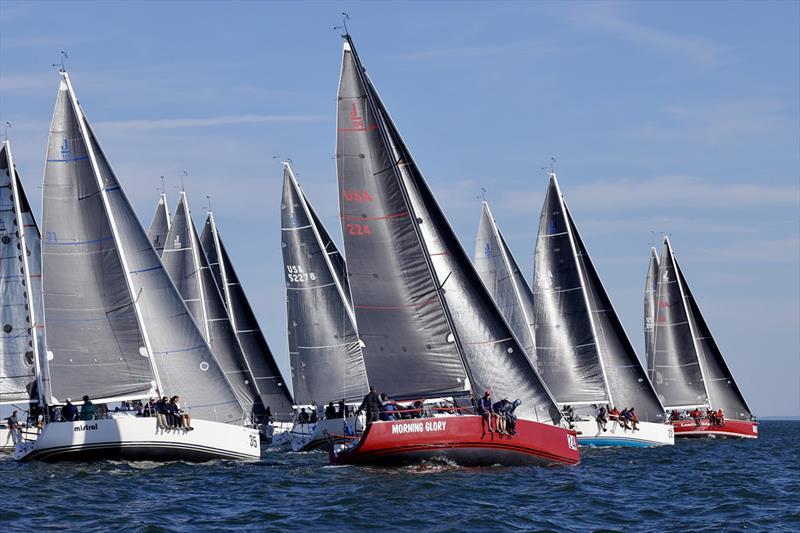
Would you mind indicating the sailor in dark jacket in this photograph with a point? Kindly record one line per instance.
(372, 404)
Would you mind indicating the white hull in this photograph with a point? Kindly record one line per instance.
(307, 437)
(6, 442)
(139, 438)
(647, 434)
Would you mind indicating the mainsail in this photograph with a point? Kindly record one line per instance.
(116, 326)
(721, 391)
(567, 353)
(21, 338)
(159, 227)
(425, 317)
(324, 349)
(504, 279)
(269, 383)
(187, 265)
(650, 291)
(627, 381)
(676, 367)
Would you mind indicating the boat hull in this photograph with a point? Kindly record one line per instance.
(648, 434)
(139, 439)
(6, 441)
(310, 437)
(462, 439)
(733, 429)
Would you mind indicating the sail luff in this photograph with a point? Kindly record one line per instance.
(194, 244)
(688, 315)
(112, 223)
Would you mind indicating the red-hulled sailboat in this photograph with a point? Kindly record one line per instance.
(428, 326)
(685, 364)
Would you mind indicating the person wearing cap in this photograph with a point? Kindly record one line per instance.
(69, 412)
(87, 409)
(485, 408)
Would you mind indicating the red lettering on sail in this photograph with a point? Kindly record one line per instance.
(358, 196)
(356, 121)
(358, 230)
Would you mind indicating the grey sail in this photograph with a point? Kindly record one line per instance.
(116, 326)
(271, 387)
(159, 227)
(504, 279)
(650, 292)
(566, 350)
(327, 364)
(488, 351)
(187, 265)
(21, 337)
(627, 381)
(409, 347)
(722, 389)
(676, 367)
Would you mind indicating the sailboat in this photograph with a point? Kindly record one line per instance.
(273, 393)
(688, 369)
(21, 338)
(159, 227)
(324, 349)
(429, 329)
(582, 350)
(117, 329)
(187, 265)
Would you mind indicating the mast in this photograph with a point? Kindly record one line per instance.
(113, 225)
(376, 111)
(583, 287)
(689, 318)
(17, 194)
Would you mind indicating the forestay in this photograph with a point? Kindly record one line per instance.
(269, 383)
(627, 381)
(187, 265)
(567, 354)
(159, 227)
(327, 364)
(676, 367)
(504, 279)
(21, 336)
(110, 306)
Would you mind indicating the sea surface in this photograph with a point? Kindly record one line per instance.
(699, 485)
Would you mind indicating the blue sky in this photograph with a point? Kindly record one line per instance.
(663, 117)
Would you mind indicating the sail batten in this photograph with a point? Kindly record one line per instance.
(325, 352)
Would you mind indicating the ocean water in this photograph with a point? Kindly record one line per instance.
(699, 485)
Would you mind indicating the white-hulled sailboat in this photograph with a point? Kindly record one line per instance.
(324, 349)
(684, 361)
(273, 392)
(21, 337)
(117, 328)
(582, 350)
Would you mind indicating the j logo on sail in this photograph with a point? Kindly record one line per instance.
(356, 121)
(65, 150)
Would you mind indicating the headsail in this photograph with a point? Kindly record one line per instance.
(566, 348)
(407, 254)
(269, 382)
(722, 389)
(187, 265)
(159, 227)
(504, 279)
(627, 381)
(116, 326)
(650, 292)
(21, 338)
(678, 375)
(327, 364)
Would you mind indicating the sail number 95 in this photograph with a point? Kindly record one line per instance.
(358, 230)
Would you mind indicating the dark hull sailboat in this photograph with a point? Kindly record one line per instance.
(428, 327)
(461, 439)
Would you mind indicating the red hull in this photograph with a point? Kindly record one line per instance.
(732, 429)
(463, 439)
